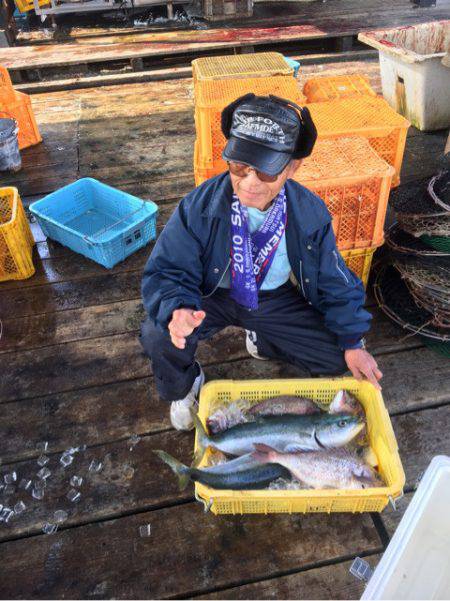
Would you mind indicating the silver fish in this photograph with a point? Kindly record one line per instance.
(334, 468)
(241, 411)
(285, 433)
(281, 405)
(242, 473)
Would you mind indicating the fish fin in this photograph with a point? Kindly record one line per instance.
(202, 438)
(335, 404)
(262, 452)
(182, 471)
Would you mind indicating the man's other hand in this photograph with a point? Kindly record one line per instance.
(363, 365)
(183, 323)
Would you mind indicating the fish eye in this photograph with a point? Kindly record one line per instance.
(342, 423)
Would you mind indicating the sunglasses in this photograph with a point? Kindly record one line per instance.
(241, 170)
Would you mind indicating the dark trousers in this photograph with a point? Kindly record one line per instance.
(287, 329)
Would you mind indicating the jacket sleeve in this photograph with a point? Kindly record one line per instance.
(173, 274)
(341, 294)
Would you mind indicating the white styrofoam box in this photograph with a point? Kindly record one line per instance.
(414, 79)
(416, 563)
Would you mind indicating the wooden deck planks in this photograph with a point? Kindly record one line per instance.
(187, 553)
(328, 582)
(94, 386)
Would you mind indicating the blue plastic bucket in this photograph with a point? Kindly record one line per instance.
(9, 146)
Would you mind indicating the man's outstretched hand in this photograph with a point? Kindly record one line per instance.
(183, 323)
(363, 365)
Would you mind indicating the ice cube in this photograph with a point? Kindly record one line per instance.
(37, 493)
(76, 481)
(95, 466)
(43, 460)
(10, 478)
(361, 569)
(19, 507)
(145, 530)
(25, 484)
(60, 516)
(74, 495)
(66, 459)
(6, 514)
(9, 490)
(43, 473)
(49, 528)
(42, 446)
(40, 484)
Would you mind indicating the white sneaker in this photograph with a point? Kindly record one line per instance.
(180, 411)
(250, 345)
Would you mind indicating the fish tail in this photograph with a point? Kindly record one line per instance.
(202, 439)
(182, 471)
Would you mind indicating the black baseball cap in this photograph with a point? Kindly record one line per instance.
(266, 132)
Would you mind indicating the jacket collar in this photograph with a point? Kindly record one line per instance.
(300, 205)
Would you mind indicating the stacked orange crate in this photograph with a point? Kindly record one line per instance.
(220, 80)
(16, 105)
(354, 182)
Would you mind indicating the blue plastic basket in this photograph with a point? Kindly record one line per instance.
(97, 221)
(294, 64)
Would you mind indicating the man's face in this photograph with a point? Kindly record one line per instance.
(252, 192)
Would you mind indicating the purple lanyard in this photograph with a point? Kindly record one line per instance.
(252, 254)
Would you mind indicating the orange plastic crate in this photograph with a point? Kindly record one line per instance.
(367, 116)
(19, 108)
(320, 89)
(16, 239)
(213, 96)
(258, 64)
(355, 183)
(6, 87)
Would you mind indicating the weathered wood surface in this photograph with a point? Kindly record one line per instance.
(76, 375)
(187, 553)
(421, 435)
(274, 13)
(132, 405)
(329, 582)
(124, 316)
(182, 42)
(117, 489)
(95, 361)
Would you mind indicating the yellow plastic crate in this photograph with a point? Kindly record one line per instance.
(213, 96)
(380, 432)
(367, 116)
(26, 5)
(355, 183)
(320, 89)
(359, 261)
(235, 66)
(16, 239)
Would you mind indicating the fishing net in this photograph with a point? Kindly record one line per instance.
(424, 208)
(439, 243)
(428, 281)
(396, 301)
(399, 241)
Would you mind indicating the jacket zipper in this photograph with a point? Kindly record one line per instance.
(218, 283)
(301, 278)
(338, 268)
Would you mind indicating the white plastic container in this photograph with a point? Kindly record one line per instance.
(416, 563)
(414, 79)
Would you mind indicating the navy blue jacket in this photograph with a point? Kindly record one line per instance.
(193, 252)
